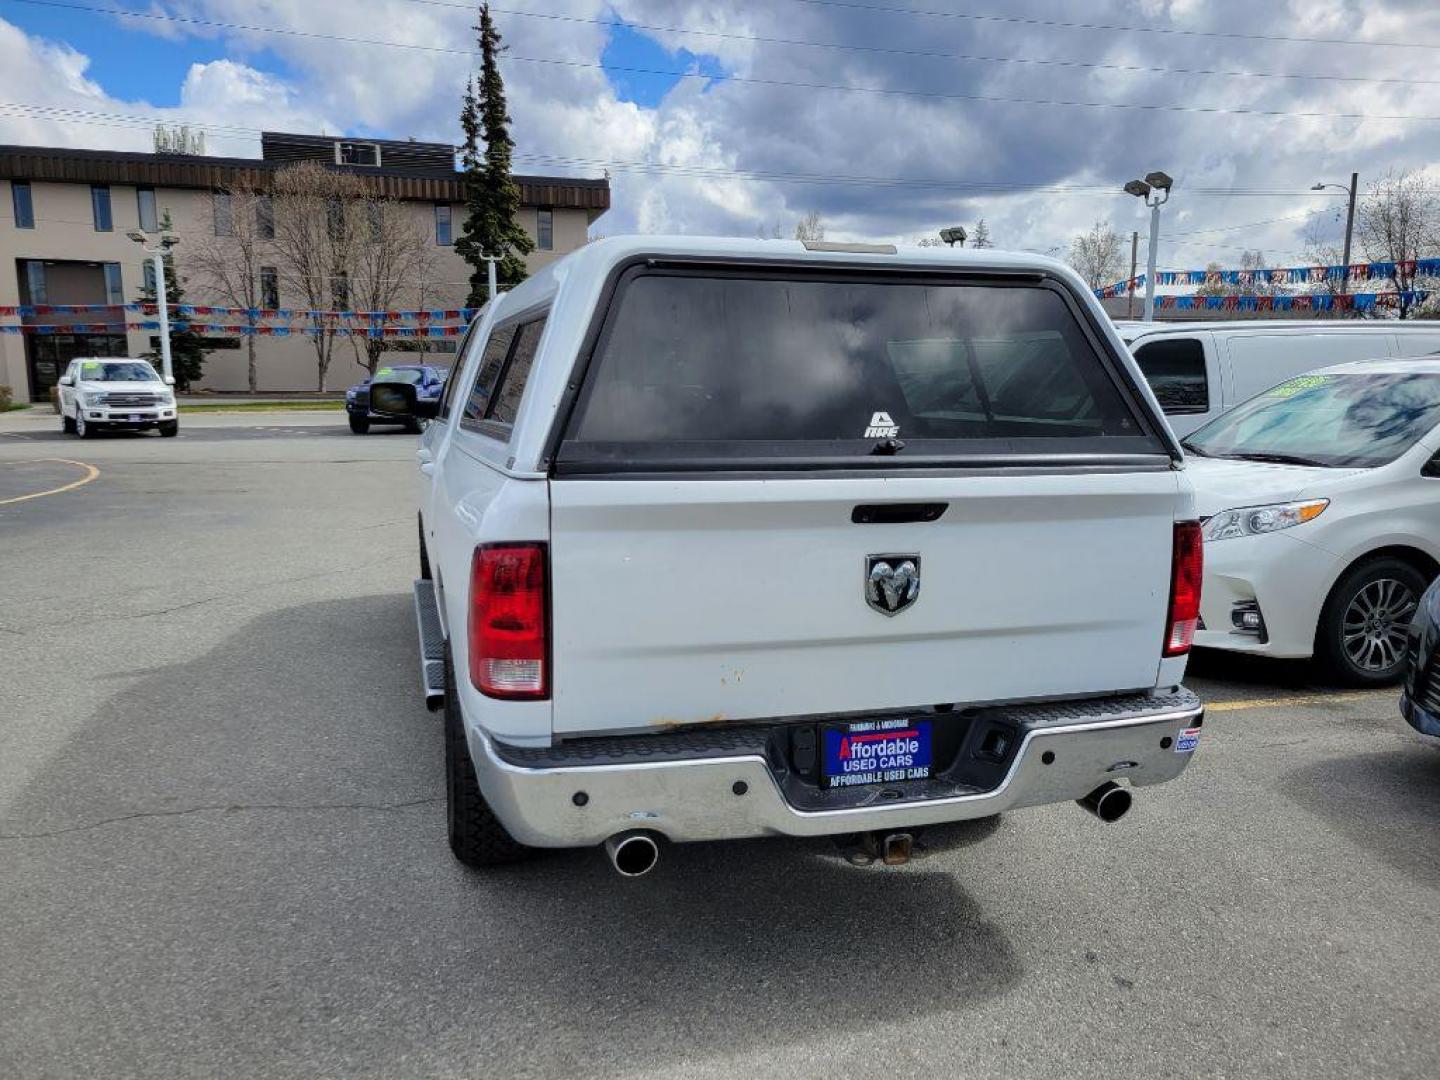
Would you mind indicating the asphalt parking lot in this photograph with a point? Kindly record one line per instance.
(222, 842)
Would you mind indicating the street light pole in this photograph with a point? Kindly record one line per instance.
(490, 261)
(157, 261)
(1150, 260)
(1130, 285)
(1155, 190)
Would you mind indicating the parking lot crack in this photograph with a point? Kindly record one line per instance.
(226, 808)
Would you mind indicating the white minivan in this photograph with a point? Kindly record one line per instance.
(1198, 370)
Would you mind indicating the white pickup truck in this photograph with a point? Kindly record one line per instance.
(728, 538)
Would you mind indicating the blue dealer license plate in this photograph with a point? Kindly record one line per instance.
(876, 752)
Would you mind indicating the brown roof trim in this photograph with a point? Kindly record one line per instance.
(165, 170)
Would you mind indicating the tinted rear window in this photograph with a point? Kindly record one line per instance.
(1175, 369)
(743, 366)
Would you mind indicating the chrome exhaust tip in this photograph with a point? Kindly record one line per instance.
(1109, 802)
(632, 854)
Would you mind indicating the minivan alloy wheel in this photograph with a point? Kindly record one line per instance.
(1374, 627)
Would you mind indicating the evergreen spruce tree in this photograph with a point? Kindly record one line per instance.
(187, 348)
(492, 198)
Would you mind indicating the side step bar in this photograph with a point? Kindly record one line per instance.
(432, 645)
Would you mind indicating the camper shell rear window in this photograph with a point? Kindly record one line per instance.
(754, 367)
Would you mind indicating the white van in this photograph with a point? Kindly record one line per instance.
(1198, 370)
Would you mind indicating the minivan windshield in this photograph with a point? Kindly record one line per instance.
(1349, 420)
(709, 364)
(117, 371)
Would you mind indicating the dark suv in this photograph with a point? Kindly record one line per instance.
(427, 380)
(1420, 702)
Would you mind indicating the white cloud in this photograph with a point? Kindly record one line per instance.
(570, 112)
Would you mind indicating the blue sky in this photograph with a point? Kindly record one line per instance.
(629, 49)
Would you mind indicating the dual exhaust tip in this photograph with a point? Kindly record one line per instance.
(634, 854)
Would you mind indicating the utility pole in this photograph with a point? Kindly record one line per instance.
(1349, 229)
(1353, 190)
(1130, 285)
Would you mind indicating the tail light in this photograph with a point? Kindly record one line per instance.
(1186, 568)
(510, 621)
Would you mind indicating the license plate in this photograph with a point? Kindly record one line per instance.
(136, 416)
(875, 752)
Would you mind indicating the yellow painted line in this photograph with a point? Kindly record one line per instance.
(1301, 699)
(91, 472)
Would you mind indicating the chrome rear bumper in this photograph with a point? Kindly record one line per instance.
(582, 795)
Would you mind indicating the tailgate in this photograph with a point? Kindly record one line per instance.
(692, 600)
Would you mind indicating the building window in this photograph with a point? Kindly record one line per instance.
(357, 153)
(443, 236)
(145, 204)
(265, 217)
(100, 207)
(24, 203)
(545, 230)
(269, 287)
(114, 289)
(148, 276)
(224, 214)
(35, 283)
(340, 291)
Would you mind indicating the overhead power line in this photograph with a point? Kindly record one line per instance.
(64, 114)
(933, 95)
(1089, 65)
(1060, 24)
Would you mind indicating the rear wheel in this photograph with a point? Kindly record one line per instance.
(1362, 632)
(476, 836)
(360, 425)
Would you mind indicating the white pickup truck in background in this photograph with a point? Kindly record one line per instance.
(727, 538)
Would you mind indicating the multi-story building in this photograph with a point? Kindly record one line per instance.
(65, 216)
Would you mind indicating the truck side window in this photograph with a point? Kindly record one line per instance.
(517, 374)
(492, 361)
(462, 354)
(1175, 369)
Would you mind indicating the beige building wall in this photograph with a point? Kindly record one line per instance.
(64, 230)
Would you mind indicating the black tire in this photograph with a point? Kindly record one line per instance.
(413, 426)
(360, 425)
(1376, 657)
(476, 836)
(169, 428)
(67, 424)
(82, 428)
(424, 553)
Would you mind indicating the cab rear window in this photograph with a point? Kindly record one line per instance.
(728, 365)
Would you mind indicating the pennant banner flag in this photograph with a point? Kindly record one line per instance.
(265, 314)
(1283, 275)
(234, 329)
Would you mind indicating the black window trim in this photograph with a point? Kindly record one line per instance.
(494, 429)
(758, 266)
(457, 369)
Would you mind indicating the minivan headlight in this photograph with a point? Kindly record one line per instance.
(1254, 520)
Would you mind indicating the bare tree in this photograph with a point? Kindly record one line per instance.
(1398, 222)
(810, 227)
(1095, 255)
(1213, 286)
(227, 264)
(319, 221)
(395, 255)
